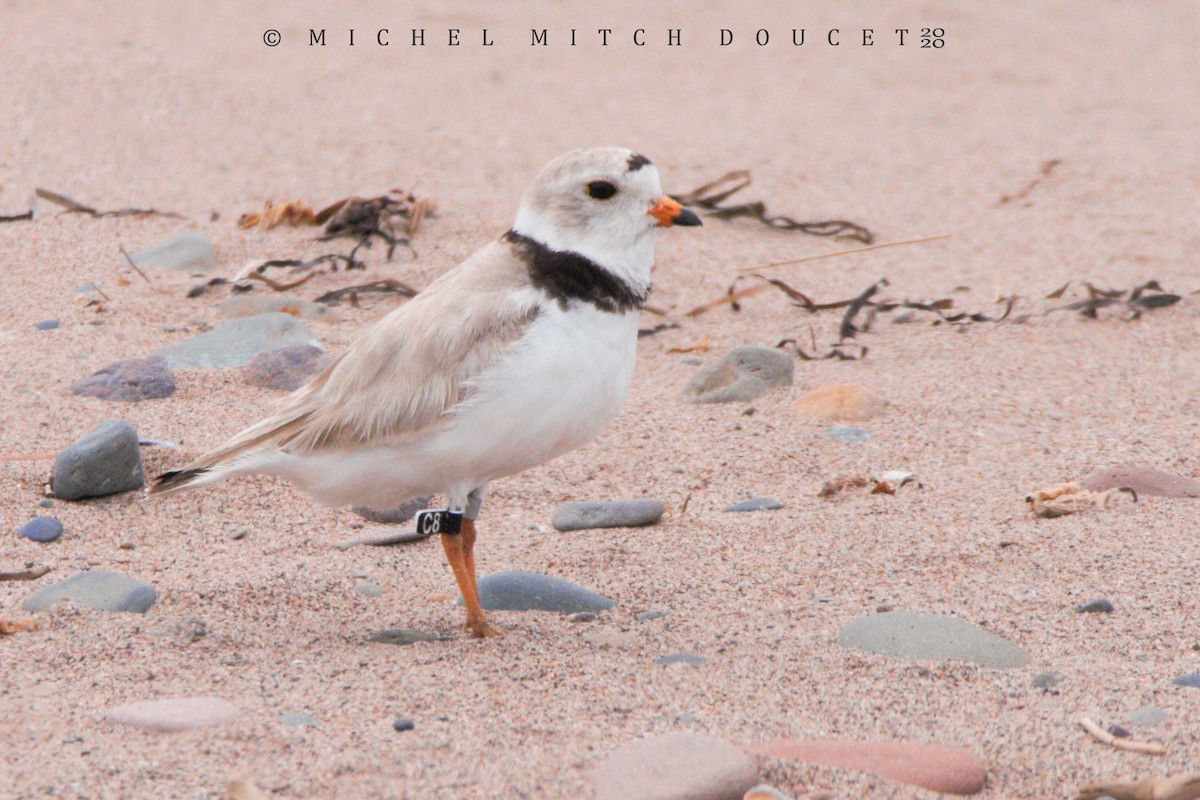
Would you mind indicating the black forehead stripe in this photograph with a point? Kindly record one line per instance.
(636, 162)
(567, 276)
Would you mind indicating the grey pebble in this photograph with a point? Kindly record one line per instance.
(106, 460)
(1098, 606)
(846, 434)
(1046, 681)
(368, 589)
(238, 341)
(741, 375)
(403, 724)
(46, 502)
(581, 515)
(286, 368)
(529, 591)
(1147, 716)
(399, 636)
(756, 504)
(680, 658)
(41, 529)
(46, 325)
(191, 252)
(920, 635)
(581, 616)
(238, 533)
(129, 381)
(298, 720)
(1192, 679)
(99, 589)
(646, 616)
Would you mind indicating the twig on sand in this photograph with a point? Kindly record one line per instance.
(136, 268)
(25, 575)
(1181, 787)
(75, 207)
(1153, 748)
(819, 256)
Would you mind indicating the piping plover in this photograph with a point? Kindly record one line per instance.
(515, 356)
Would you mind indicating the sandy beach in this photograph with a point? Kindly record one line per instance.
(1054, 145)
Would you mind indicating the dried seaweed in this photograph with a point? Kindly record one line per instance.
(1143, 297)
(293, 213)
(659, 328)
(27, 216)
(74, 207)
(711, 195)
(1043, 173)
(383, 217)
(384, 286)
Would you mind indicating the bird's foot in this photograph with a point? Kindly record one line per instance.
(481, 629)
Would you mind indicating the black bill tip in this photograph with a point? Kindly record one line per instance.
(687, 218)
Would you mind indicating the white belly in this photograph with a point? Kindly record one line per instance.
(562, 383)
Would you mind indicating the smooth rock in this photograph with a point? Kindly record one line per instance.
(96, 588)
(1046, 681)
(675, 766)
(298, 720)
(951, 770)
(237, 342)
(248, 305)
(1147, 716)
(1143, 480)
(180, 630)
(1098, 606)
(582, 616)
(646, 616)
(919, 635)
(174, 714)
(581, 515)
(846, 434)
(680, 658)
(191, 252)
(528, 591)
(1192, 679)
(106, 460)
(741, 375)
(399, 636)
(286, 368)
(129, 381)
(839, 402)
(368, 589)
(403, 724)
(394, 516)
(756, 504)
(41, 529)
(46, 325)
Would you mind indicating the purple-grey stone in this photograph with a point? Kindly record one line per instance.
(129, 381)
(286, 368)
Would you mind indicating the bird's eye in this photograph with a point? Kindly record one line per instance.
(601, 190)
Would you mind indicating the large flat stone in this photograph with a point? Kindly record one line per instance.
(528, 591)
(174, 714)
(933, 637)
(99, 589)
(1143, 480)
(675, 766)
(951, 770)
(585, 514)
(129, 381)
(237, 342)
(190, 252)
(741, 375)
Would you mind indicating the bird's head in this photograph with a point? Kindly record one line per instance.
(605, 203)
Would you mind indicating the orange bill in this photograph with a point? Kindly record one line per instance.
(668, 212)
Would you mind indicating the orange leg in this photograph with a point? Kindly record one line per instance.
(460, 553)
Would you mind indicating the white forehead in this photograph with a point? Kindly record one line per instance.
(617, 164)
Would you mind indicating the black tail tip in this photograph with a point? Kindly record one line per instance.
(175, 479)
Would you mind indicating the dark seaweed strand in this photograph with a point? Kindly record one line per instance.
(567, 276)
